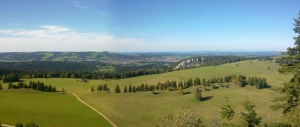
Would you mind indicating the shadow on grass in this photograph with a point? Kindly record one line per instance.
(268, 86)
(186, 93)
(207, 98)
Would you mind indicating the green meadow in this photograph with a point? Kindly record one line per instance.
(46, 109)
(142, 108)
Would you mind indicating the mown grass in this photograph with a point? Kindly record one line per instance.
(46, 109)
(140, 109)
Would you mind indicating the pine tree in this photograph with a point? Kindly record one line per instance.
(92, 89)
(100, 87)
(130, 88)
(105, 87)
(227, 110)
(125, 89)
(259, 83)
(133, 89)
(250, 118)
(117, 89)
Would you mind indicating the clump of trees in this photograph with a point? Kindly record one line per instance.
(40, 86)
(172, 85)
(10, 78)
(103, 87)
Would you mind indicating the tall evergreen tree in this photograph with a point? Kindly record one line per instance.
(290, 102)
(105, 87)
(250, 118)
(92, 89)
(133, 89)
(125, 89)
(227, 110)
(130, 88)
(117, 89)
(100, 87)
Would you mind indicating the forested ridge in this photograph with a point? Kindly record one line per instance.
(202, 61)
(91, 70)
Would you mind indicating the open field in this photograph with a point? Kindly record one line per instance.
(140, 109)
(46, 109)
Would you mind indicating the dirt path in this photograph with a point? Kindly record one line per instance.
(94, 109)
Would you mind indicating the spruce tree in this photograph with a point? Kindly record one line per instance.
(259, 84)
(92, 89)
(227, 110)
(100, 87)
(290, 102)
(125, 89)
(130, 88)
(133, 89)
(105, 87)
(117, 89)
(250, 118)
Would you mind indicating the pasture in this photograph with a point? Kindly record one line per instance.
(140, 109)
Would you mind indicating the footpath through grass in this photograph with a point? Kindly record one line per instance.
(46, 109)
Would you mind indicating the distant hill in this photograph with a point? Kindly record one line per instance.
(118, 58)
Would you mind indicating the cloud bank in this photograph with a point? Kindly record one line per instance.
(58, 38)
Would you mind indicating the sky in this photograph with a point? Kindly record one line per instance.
(147, 25)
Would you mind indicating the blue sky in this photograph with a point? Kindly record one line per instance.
(147, 25)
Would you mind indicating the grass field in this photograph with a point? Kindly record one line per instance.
(46, 109)
(140, 109)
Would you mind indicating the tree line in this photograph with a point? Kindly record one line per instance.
(172, 85)
(40, 86)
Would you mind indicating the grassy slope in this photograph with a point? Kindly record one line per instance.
(140, 109)
(46, 109)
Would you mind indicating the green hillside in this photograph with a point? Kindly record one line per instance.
(142, 108)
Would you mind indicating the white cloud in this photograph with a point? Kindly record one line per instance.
(55, 29)
(58, 38)
(77, 4)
